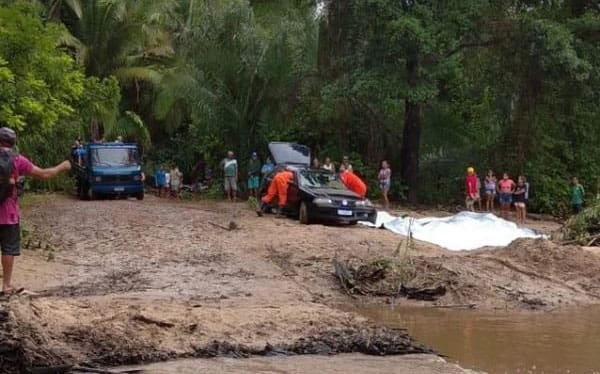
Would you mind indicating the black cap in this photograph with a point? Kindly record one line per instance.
(8, 137)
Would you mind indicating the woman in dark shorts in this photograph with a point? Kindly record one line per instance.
(520, 198)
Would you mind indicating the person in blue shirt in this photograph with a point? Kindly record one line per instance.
(161, 181)
(80, 154)
(267, 167)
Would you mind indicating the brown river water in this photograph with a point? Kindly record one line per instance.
(566, 341)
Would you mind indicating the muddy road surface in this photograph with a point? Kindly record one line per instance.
(127, 282)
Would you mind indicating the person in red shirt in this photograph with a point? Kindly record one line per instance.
(10, 233)
(278, 187)
(472, 186)
(353, 183)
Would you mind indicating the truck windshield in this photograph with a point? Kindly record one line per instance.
(320, 179)
(114, 157)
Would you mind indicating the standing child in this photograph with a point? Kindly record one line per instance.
(385, 182)
(577, 194)
(490, 190)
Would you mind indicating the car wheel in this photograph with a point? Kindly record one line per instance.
(303, 214)
(90, 194)
(353, 223)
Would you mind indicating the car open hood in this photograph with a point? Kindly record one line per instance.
(290, 153)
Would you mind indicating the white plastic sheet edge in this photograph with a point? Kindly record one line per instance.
(463, 231)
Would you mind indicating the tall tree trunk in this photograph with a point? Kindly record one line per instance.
(411, 136)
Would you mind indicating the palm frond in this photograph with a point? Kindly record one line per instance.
(130, 126)
(128, 74)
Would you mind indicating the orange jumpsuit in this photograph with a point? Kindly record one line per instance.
(354, 183)
(279, 186)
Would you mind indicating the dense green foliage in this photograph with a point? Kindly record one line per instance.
(433, 86)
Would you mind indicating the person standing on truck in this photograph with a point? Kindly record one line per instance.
(353, 182)
(12, 167)
(278, 187)
(254, 175)
(230, 174)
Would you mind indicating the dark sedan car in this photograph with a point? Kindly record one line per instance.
(317, 195)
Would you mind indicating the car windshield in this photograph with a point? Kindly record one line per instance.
(320, 179)
(114, 157)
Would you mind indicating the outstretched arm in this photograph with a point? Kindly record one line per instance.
(48, 173)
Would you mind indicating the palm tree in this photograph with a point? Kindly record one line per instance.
(122, 38)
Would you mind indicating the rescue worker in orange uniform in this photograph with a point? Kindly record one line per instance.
(278, 187)
(354, 183)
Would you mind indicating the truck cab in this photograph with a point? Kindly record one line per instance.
(109, 169)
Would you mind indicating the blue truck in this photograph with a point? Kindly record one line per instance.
(109, 169)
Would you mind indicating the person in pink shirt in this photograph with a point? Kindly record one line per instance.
(506, 188)
(10, 232)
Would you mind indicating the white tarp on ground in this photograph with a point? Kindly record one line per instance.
(463, 231)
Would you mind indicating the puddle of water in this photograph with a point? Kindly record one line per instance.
(499, 342)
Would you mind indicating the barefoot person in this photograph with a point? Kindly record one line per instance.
(13, 166)
(385, 182)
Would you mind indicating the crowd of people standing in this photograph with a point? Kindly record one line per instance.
(509, 193)
(505, 191)
(257, 171)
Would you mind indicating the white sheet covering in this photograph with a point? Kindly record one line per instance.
(463, 231)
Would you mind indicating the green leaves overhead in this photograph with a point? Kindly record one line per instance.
(39, 84)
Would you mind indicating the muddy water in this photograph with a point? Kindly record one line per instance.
(498, 342)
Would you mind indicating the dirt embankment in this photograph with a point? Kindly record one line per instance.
(528, 274)
(127, 282)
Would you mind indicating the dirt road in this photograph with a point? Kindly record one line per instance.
(124, 282)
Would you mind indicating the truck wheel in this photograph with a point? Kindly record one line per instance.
(303, 214)
(140, 196)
